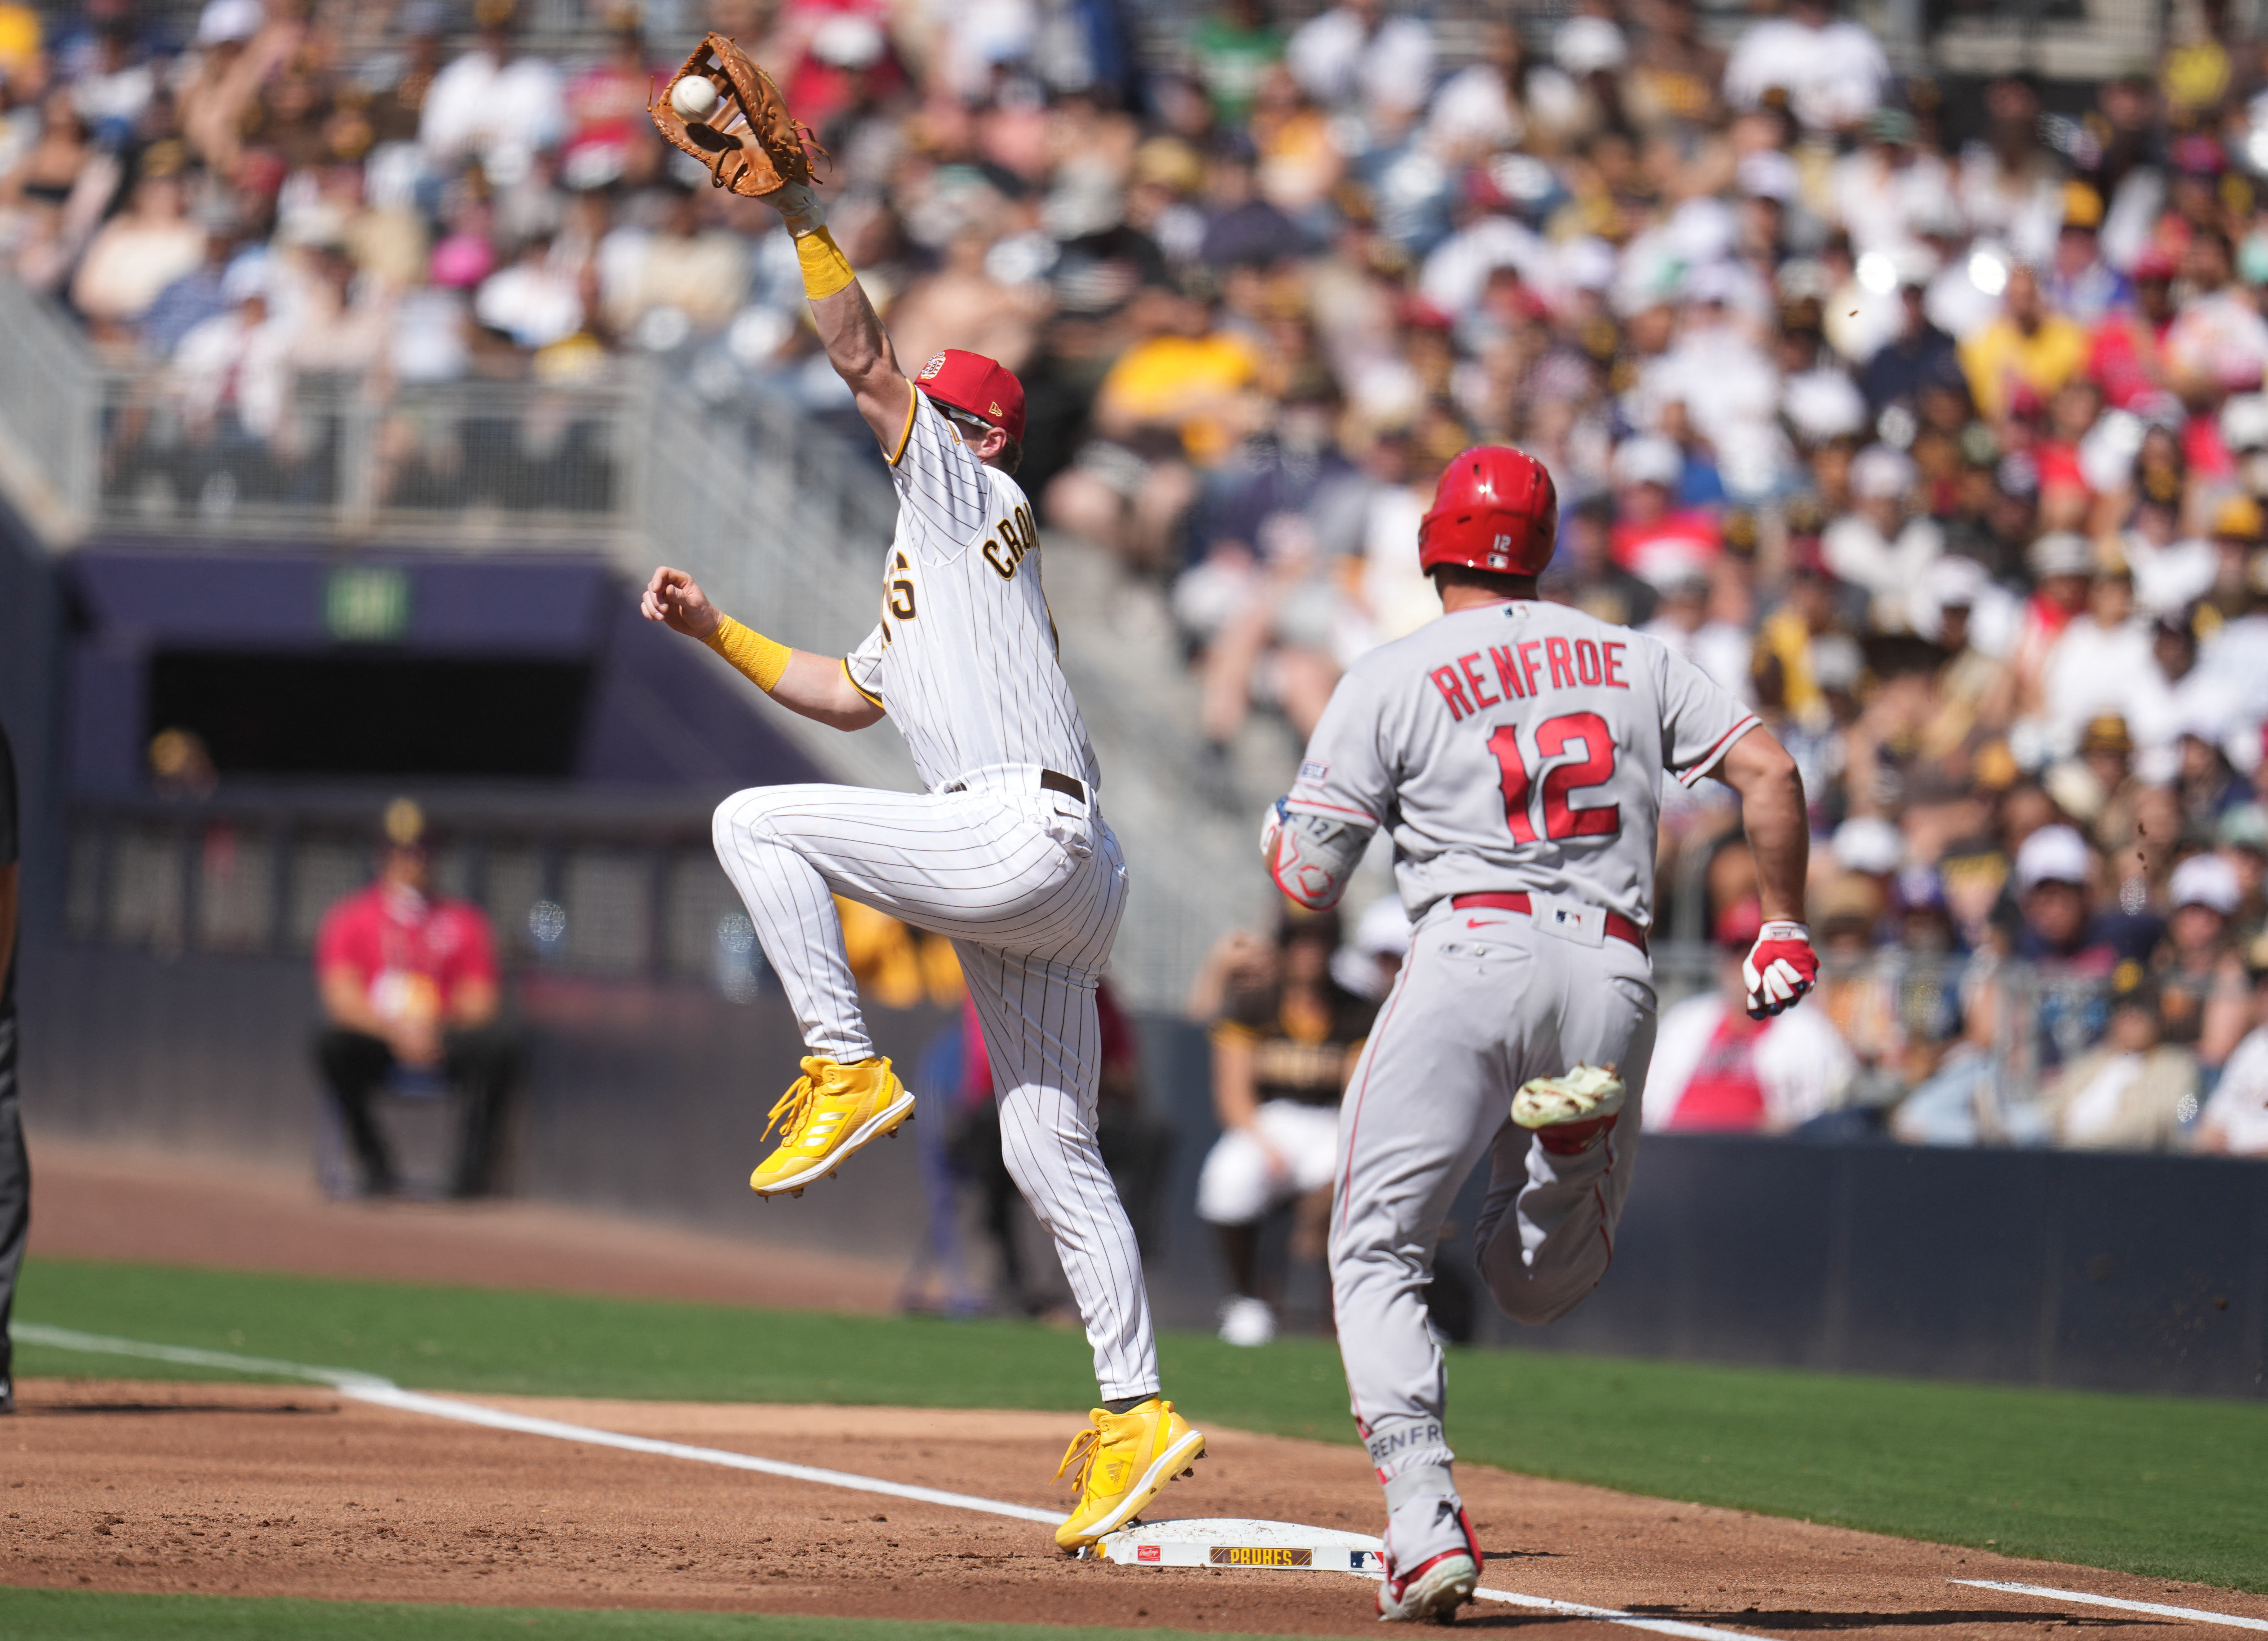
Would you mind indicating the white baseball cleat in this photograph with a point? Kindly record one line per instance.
(1570, 1111)
(1442, 1569)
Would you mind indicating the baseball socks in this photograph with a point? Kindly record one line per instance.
(1433, 1558)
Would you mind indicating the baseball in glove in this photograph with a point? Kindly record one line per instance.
(747, 137)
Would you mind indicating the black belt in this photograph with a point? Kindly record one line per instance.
(1049, 782)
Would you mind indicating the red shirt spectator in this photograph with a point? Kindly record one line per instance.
(410, 979)
(411, 955)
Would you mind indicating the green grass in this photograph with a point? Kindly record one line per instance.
(86, 1615)
(2154, 1485)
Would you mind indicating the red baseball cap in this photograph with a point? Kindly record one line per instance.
(982, 387)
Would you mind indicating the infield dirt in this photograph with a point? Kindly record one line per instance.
(259, 1491)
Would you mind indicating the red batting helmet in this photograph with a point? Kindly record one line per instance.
(1495, 509)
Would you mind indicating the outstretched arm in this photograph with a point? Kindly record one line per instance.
(856, 345)
(816, 686)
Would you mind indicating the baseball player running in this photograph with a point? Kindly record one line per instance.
(1006, 852)
(1516, 749)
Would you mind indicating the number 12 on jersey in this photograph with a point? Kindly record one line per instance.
(1562, 780)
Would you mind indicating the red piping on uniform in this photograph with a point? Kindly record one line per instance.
(1700, 766)
(1340, 809)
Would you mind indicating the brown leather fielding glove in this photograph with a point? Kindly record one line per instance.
(749, 141)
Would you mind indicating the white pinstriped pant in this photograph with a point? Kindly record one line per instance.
(1028, 885)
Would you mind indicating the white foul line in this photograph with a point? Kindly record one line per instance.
(2046, 1595)
(385, 1392)
(1612, 1616)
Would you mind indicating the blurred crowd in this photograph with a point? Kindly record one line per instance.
(1928, 416)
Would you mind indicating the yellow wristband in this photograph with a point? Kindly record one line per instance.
(826, 270)
(762, 660)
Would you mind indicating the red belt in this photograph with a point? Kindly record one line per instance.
(1617, 925)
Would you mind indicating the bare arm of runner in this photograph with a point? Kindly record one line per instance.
(1782, 965)
(816, 686)
(1758, 769)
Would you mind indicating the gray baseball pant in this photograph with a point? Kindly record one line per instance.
(1487, 999)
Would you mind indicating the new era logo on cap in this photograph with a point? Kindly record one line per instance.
(982, 387)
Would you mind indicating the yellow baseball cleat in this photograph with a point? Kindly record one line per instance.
(1124, 1460)
(830, 1112)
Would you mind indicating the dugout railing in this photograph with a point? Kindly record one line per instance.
(630, 891)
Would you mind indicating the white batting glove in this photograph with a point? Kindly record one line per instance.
(1779, 968)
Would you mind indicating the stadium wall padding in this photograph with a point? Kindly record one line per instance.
(2082, 1270)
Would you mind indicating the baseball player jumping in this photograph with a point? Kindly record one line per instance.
(1516, 750)
(1006, 852)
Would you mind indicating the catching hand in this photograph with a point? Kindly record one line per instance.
(1779, 968)
(675, 598)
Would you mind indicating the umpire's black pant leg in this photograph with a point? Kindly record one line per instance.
(353, 1064)
(15, 1192)
(483, 1065)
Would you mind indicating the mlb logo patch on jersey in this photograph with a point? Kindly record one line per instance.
(1313, 771)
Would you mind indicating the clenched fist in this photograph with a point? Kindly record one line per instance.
(1779, 968)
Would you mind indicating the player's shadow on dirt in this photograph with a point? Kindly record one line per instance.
(1521, 1555)
(67, 1409)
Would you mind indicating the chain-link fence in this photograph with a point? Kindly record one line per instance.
(625, 899)
(338, 456)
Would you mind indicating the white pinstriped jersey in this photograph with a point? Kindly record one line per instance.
(1517, 746)
(963, 658)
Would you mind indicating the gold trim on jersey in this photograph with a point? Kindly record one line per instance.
(913, 399)
(860, 688)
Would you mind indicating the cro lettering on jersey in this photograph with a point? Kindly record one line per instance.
(1011, 539)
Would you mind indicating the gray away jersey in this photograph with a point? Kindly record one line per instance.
(1518, 745)
(964, 657)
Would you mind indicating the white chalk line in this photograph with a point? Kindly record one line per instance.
(385, 1393)
(381, 1392)
(2196, 1613)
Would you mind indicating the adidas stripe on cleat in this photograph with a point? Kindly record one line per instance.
(826, 1116)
